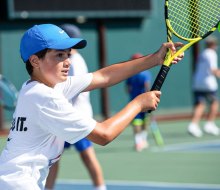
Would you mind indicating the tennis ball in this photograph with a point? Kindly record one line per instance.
(219, 26)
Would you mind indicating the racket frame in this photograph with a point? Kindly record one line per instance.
(170, 55)
(158, 82)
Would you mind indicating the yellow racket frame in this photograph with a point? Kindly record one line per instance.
(170, 56)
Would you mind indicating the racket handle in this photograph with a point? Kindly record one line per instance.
(160, 79)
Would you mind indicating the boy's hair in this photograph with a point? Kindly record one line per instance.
(40, 55)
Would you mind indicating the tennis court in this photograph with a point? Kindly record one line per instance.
(184, 163)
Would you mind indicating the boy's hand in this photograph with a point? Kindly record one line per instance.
(173, 48)
(148, 100)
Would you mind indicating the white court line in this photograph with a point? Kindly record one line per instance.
(144, 184)
(186, 146)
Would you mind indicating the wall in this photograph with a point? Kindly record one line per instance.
(123, 38)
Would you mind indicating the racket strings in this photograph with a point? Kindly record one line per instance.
(209, 18)
(195, 15)
(193, 18)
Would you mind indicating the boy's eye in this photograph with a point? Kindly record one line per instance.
(60, 54)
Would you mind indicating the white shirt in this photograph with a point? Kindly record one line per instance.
(79, 67)
(43, 120)
(204, 79)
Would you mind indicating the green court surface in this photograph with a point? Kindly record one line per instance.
(183, 160)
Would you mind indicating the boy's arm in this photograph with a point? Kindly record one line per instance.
(108, 130)
(116, 73)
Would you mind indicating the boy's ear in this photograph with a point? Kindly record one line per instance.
(34, 60)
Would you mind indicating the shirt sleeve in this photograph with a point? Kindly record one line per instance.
(60, 118)
(74, 85)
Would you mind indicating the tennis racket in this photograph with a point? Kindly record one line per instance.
(191, 21)
(8, 94)
(156, 132)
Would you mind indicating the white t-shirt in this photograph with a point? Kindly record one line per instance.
(204, 79)
(79, 67)
(42, 121)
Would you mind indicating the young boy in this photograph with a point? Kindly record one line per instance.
(44, 118)
(84, 146)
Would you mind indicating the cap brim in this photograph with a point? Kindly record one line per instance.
(75, 43)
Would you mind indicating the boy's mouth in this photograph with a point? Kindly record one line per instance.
(65, 71)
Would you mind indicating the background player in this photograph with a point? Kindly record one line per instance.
(136, 85)
(205, 89)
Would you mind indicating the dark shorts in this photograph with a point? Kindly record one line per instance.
(80, 146)
(140, 115)
(209, 97)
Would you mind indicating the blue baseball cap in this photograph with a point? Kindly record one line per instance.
(47, 36)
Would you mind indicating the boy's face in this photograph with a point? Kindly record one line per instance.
(54, 67)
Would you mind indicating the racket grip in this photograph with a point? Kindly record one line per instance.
(160, 79)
